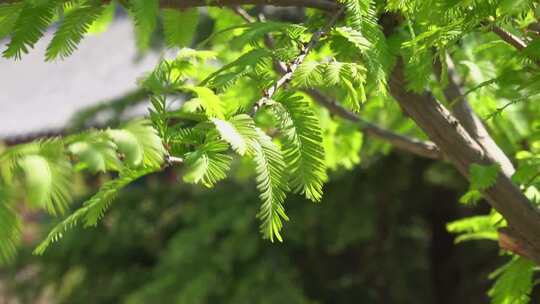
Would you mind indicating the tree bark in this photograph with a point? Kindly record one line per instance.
(413, 145)
(470, 121)
(462, 150)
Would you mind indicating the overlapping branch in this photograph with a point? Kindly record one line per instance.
(416, 146)
(286, 78)
(511, 39)
(413, 145)
(463, 150)
(470, 121)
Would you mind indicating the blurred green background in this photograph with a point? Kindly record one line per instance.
(378, 237)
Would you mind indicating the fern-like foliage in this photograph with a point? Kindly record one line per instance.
(256, 31)
(32, 21)
(272, 184)
(207, 100)
(44, 170)
(250, 60)
(362, 19)
(302, 145)
(44, 173)
(9, 13)
(93, 209)
(139, 144)
(71, 31)
(355, 37)
(514, 282)
(179, 26)
(246, 139)
(348, 76)
(48, 182)
(145, 13)
(95, 152)
(481, 178)
(239, 132)
(480, 227)
(208, 164)
(10, 228)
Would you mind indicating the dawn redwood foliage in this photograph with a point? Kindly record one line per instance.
(293, 100)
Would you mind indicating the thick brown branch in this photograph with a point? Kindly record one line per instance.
(470, 121)
(413, 145)
(462, 150)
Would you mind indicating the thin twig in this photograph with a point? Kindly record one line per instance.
(416, 146)
(269, 93)
(242, 13)
(279, 66)
(511, 39)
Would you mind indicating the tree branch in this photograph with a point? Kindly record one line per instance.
(286, 78)
(416, 146)
(462, 150)
(422, 148)
(279, 66)
(470, 121)
(511, 39)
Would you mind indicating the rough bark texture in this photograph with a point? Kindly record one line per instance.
(470, 121)
(416, 146)
(462, 150)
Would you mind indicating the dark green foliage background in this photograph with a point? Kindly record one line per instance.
(373, 239)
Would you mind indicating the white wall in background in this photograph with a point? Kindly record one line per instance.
(36, 96)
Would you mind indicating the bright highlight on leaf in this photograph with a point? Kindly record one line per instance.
(10, 229)
(71, 31)
(139, 143)
(29, 27)
(209, 101)
(47, 177)
(94, 209)
(239, 132)
(481, 227)
(208, 165)
(272, 184)
(514, 282)
(202, 103)
(303, 149)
